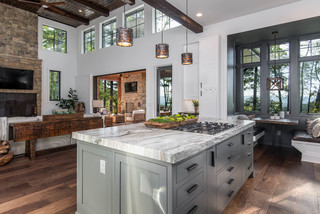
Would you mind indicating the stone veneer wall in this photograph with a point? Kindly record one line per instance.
(19, 46)
(132, 97)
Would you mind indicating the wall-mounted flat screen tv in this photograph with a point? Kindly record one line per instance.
(16, 79)
(131, 87)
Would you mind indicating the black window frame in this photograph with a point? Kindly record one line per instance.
(92, 40)
(156, 18)
(103, 35)
(56, 41)
(59, 81)
(135, 36)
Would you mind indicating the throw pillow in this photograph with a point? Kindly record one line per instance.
(312, 124)
(316, 131)
(243, 117)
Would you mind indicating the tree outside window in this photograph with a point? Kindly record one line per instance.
(88, 40)
(251, 89)
(108, 92)
(310, 76)
(164, 22)
(109, 33)
(54, 39)
(54, 85)
(135, 21)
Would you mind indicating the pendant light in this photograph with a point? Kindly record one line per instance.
(124, 35)
(275, 83)
(162, 49)
(186, 58)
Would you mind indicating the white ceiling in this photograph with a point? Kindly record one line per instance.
(220, 10)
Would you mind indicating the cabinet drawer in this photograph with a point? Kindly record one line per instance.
(228, 157)
(190, 167)
(228, 190)
(248, 167)
(231, 143)
(196, 206)
(190, 189)
(229, 170)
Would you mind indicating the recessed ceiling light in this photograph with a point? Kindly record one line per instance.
(199, 14)
(80, 11)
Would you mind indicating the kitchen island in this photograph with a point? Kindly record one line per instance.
(137, 170)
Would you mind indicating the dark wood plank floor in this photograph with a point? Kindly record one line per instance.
(282, 184)
(43, 186)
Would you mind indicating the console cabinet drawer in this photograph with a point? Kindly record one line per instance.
(190, 167)
(228, 157)
(190, 189)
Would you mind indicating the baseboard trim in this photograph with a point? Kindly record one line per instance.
(53, 150)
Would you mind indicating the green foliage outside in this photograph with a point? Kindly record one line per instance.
(173, 118)
(54, 39)
(89, 40)
(54, 85)
(108, 92)
(166, 93)
(251, 87)
(109, 34)
(135, 21)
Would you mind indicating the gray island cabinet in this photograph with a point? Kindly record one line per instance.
(137, 170)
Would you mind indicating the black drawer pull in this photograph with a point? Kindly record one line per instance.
(230, 181)
(193, 210)
(230, 193)
(231, 144)
(250, 132)
(249, 167)
(193, 188)
(192, 167)
(230, 157)
(249, 154)
(249, 144)
(230, 168)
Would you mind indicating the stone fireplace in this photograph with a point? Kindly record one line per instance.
(19, 50)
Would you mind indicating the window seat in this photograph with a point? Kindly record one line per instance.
(307, 145)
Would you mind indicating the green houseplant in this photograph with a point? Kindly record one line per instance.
(196, 105)
(70, 102)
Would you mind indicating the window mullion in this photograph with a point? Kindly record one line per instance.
(264, 93)
(294, 82)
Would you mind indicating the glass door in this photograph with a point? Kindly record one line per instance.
(164, 90)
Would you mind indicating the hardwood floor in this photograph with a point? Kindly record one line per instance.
(282, 185)
(47, 185)
(43, 186)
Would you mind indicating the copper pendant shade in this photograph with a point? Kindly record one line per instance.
(124, 37)
(162, 51)
(186, 58)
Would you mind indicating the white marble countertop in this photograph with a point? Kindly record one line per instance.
(165, 145)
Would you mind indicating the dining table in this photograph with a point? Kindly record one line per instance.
(274, 123)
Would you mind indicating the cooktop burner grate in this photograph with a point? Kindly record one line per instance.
(205, 127)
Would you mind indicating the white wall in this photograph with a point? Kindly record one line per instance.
(142, 54)
(66, 63)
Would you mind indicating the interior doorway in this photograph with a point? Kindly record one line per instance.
(164, 90)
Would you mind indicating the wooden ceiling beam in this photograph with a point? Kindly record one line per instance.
(67, 14)
(174, 13)
(103, 10)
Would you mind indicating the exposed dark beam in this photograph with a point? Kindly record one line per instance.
(67, 14)
(130, 2)
(103, 10)
(171, 11)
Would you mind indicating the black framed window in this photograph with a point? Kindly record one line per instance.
(89, 40)
(109, 33)
(54, 85)
(309, 63)
(54, 39)
(135, 21)
(164, 22)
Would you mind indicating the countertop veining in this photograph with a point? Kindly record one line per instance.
(165, 145)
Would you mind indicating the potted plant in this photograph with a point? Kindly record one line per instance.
(69, 103)
(196, 105)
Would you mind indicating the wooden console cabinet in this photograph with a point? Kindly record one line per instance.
(31, 131)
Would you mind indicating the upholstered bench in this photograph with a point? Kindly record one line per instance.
(307, 145)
